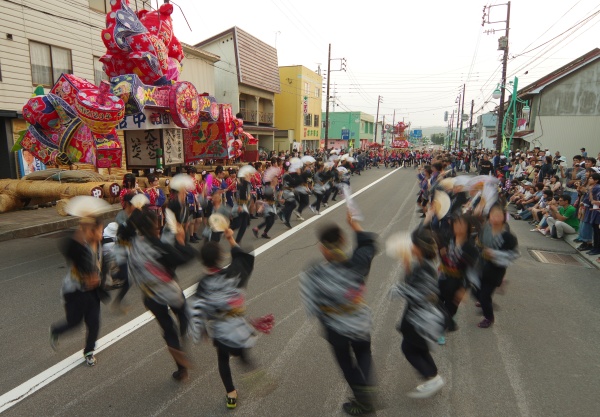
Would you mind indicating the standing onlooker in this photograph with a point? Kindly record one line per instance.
(583, 153)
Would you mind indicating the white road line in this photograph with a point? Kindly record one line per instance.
(44, 378)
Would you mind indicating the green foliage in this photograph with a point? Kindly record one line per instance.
(438, 138)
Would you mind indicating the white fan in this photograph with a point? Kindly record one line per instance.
(399, 246)
(307, 159)
(246, 170)
(182, 182)
(86, 206)
(139, 201)
(171, 221)
(218, 223)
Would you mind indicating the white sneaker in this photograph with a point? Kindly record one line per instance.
(313, 209)
(427, 389)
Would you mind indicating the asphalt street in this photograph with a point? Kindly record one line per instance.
(539, 359)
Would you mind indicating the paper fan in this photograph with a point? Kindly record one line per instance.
(334, 158)
(351, 160)
(139, 201)
(295, 161)
(448, 183)
(399, 246)
(328, 165)
(271, 174)
(182, 182)
(345, 156)
(295, 166)
(441, 204)
(342, 170)
(171, 221)
(218, 223)
(307, 159)
(246, 170)
(86, 206)
(334, 152)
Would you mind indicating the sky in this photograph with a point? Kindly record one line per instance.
(415, 55)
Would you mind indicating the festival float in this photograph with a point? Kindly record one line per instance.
(400, 141)
(165, 122)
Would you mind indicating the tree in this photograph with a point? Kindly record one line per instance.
(438, 138)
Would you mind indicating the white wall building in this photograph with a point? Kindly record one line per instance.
(40, 39)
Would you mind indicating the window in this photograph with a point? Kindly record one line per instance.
(317, 91)
(316, 121)
(48, 63)
(100, 5)
(308, 120)
(242, 104)
(306, 88)
(99, 73)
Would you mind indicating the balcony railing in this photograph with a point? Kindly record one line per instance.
(249, 115)
(265, 117)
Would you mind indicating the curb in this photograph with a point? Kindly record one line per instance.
(40, 229)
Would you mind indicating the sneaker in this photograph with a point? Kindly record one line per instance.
(255, 232)
(584, 246)
(313, 209)
(354, 408)
(288, 225)
(265, 236)
(544, 232)
(485, 323)
(297, 213)
(427, 389)
(534, 230)
(325, 205)
(90, 359)
(180, 374)
(194, 239)
(53, 340)
(577, 240)
(231, 402)
(441, 340)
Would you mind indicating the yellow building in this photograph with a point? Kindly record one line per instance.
(298, 116)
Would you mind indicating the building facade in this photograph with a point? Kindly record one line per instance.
(41, 39)
(298, 118)
(487, 124)
(349, 129)
(565, 109)
(247, 76)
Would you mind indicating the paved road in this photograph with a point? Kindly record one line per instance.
(539, 359)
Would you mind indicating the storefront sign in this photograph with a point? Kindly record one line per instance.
(305, 105)
(173, 140)
(141, 148)
(148, 119)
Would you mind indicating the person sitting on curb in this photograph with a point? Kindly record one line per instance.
(563, 218)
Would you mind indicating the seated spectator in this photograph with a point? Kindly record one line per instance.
(563, 218)
(540, 208)
(555, 185)
(536, 194)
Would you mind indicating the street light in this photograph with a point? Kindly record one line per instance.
(511, 107)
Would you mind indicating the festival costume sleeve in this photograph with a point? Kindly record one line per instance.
(242, 265)
(79, 256)
(504, 256)
(364, 252)
(173, 255)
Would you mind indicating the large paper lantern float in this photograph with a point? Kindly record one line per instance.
(240, 139)
(216, 138)
(142, 44)
(74, 123)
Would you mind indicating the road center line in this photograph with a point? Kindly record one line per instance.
(44, 378)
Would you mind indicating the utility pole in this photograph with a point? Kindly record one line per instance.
(461, 118)
(502, 45)
(383, 131)
(379, 99)
(342, 68)
(451, 131)
(470, 127)
(458, 117)
(327, 106)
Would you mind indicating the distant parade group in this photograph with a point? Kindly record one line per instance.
(462, 245)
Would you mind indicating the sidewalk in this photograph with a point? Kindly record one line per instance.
(537, 241)
(27, 223)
